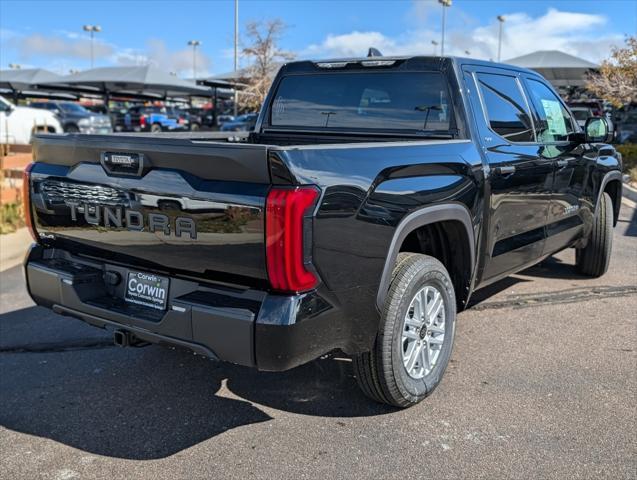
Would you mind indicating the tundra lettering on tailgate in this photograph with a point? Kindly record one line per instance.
(133, 220)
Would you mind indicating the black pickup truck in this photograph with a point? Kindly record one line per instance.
(374, 196)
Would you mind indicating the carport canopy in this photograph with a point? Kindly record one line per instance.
(559, 68)
(26, 82)
(25, 79)
(130, 81)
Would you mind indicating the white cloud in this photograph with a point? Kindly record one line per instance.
(571, 32)
(66, 49)
(351, 44)
(34, 45)
(179, 61)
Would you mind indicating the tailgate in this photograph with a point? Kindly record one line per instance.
(167, 204)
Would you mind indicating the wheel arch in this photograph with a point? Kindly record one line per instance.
(443, 215)
(611, 184)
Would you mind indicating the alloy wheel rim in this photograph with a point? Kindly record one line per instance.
(423, 332)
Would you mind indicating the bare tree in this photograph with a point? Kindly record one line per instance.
(616, 81)
(266, 56)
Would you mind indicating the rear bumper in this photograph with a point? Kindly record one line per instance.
(245, 327)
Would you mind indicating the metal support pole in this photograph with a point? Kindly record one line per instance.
(500, 42)
(215, 114)
(501, 20)
(442, 42)
(236, 53)
(194, 63)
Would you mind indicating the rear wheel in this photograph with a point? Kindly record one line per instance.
(593, 260)
(155, 128)
(416, 333)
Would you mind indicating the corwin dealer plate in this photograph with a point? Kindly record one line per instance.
(147, 289)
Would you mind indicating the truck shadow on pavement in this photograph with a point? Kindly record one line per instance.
(63, 380)
(153, 402)
(550, 268)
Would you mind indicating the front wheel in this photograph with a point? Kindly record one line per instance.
(594, 258)
(415, 338)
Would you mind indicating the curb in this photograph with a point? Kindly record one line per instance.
(629, 192)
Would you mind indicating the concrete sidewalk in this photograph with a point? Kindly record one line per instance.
(13, 247)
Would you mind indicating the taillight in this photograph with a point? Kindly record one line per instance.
(26, 199)
(142, 121)
(286, 210)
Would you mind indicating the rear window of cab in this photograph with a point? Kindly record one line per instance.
(415, 101)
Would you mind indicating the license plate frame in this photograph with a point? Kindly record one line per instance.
(147, 289)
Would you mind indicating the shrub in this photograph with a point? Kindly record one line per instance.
(11, 217)
(629, 155)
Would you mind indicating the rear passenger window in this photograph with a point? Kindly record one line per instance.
(555, 123)
(506, 109)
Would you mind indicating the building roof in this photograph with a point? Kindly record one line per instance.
(551, 59)
(559, 68)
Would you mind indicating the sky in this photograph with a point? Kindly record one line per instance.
(48, 34)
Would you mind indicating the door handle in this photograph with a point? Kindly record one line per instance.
(562, 163)
(505, 170)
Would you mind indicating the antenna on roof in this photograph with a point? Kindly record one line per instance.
(374, 52)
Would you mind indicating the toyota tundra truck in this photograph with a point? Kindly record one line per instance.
(372, 198)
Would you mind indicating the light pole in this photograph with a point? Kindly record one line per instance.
(92, 29)
(194, 44)
(236, 54)
(445, 4)
(435, 44)
(501, 20)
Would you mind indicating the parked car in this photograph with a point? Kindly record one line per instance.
(596, 106)
(627, 126)
(152, 119)
(75, 118)
(181, 114)
(242, 123)
(97, 109)
(582, 114)
(372, 199)
(202, 118)
(18, 124)
(224, 118)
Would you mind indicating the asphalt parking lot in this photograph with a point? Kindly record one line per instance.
(542, 384)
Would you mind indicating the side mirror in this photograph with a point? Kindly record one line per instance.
(597, 130)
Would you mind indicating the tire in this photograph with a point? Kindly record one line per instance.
(72, 129)
(194, 127)
(155, 128)
(382, 373)
(594, 258)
